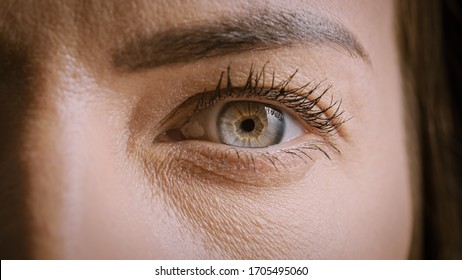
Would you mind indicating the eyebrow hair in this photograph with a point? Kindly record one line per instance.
(257, 30)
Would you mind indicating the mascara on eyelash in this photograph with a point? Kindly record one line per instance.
(303, 101)
(297, 99)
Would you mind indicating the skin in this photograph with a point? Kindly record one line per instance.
(83, 177)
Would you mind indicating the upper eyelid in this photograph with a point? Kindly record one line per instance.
(300, 99)
(320, 114)
(326, 118)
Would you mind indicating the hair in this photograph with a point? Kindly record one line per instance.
(428, 34)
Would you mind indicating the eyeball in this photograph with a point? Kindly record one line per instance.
(243, 123)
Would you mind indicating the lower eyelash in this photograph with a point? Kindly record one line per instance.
(232, 162)
(238, 159)
(302, 152)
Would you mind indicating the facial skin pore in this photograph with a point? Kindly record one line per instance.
(86, 86)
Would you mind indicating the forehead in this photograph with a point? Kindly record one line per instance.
(102, 20)
(42, 22)
(91, 30)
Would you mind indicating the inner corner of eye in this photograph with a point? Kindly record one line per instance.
(171, 135)
(193, 129)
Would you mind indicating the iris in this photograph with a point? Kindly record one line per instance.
(250, 124)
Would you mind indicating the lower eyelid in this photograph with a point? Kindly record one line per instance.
(265, 167)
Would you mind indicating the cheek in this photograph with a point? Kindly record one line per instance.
(339, 209)
(366, 212)
(375, 206)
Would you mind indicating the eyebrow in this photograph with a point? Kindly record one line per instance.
(257, 30)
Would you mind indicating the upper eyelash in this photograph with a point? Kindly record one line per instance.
(297, 99)
(326, 120)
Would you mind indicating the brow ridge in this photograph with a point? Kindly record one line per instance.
(259, 30)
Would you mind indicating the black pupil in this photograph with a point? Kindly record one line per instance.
(248, 125)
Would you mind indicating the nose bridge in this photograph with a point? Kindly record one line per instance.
(45, 163)
(40, 165)
(43, 169)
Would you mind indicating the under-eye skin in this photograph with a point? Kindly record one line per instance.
(260, 120)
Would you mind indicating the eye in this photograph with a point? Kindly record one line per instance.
(254, 114)
(242, 123)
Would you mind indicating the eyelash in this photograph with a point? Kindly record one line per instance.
(296, 99)
(301, 101)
